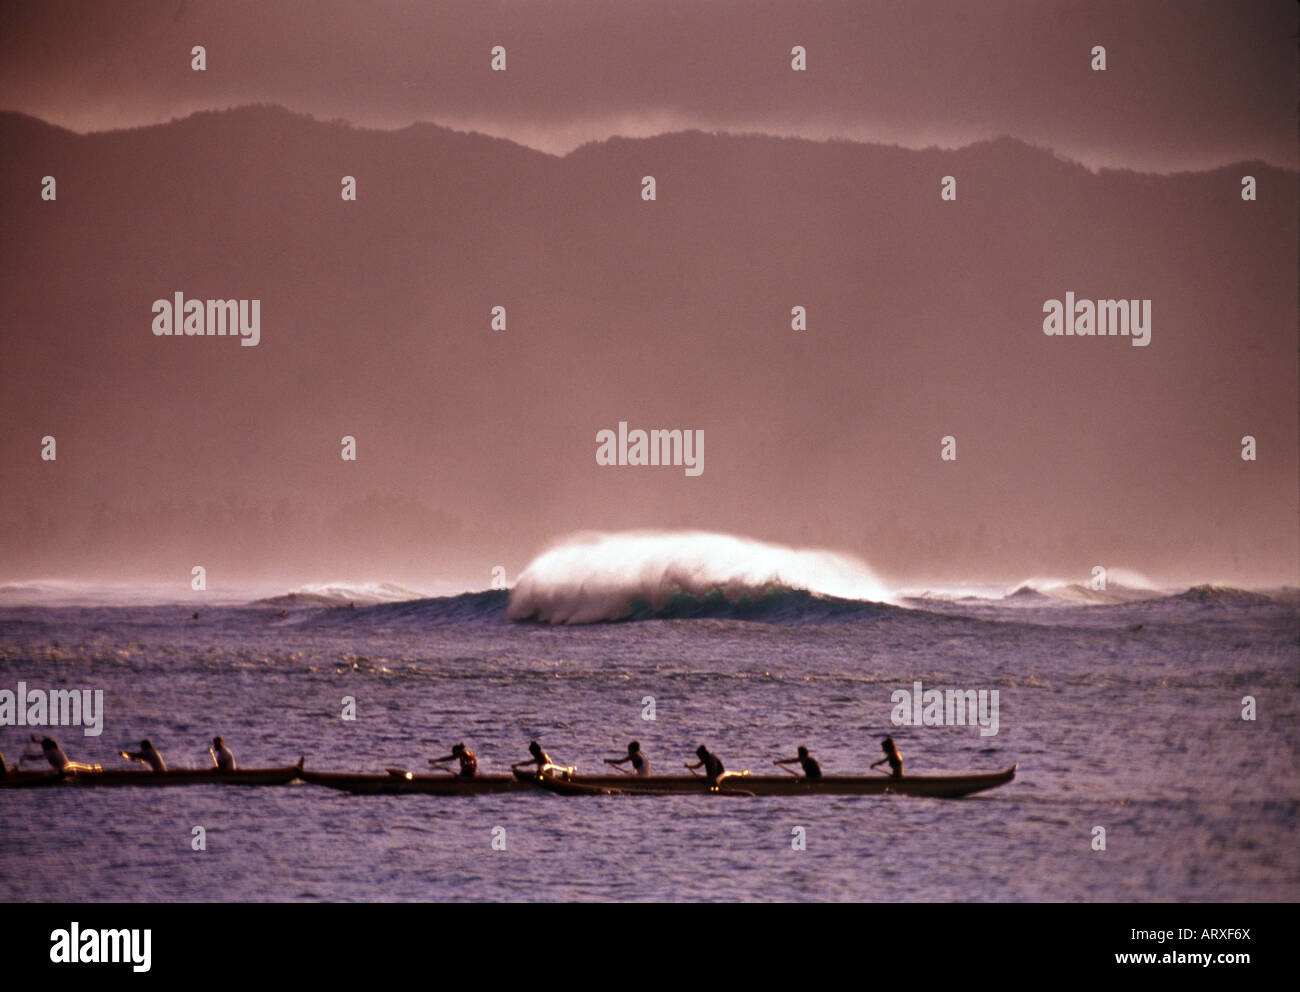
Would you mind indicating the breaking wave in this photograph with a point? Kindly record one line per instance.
(339, 594)
(643, 575)
(1207, 595)
(1122, 586)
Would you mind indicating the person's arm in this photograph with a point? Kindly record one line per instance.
(786, 761)
(30, 755)
(876, 764)
(439, 761)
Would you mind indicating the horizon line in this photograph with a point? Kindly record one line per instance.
(499, 135)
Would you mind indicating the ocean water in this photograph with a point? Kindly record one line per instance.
(1123, 713)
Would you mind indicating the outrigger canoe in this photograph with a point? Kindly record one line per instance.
(936, 786)
(397, 782)
(137, 777)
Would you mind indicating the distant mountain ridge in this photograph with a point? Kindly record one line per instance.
(17, 124)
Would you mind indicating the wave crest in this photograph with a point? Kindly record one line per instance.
(1210, 595)
(641, 574)
(1122, 586)
(343, 594)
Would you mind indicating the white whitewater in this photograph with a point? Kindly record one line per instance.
(591, 577)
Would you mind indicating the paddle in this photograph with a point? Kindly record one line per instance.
(785, 768)
(613, 763)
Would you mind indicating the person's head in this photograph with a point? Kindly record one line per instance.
(457, 749)
(49, 744)
(146, 745)
(887, 745)
(803, 751)
(701, 752)
(634, 747)
(217, 742)
(534, 749)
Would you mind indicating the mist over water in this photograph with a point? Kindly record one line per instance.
(592, 577)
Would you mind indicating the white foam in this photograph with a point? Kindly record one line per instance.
(590, 577)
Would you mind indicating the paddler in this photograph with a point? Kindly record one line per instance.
(712, 765)
(539, 758)
(468, 762)
(811, 769)
(892, 756)
(640, 763)
(148, 754)
(52, 753)
(221, 756)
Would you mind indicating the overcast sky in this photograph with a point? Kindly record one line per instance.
(1188, 83)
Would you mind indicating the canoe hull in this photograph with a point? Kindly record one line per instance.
(935, 786)
(28, 780)
(429, 785)
(150, 779)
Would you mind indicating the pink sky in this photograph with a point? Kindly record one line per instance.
(478, 447)
(1188, 84)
